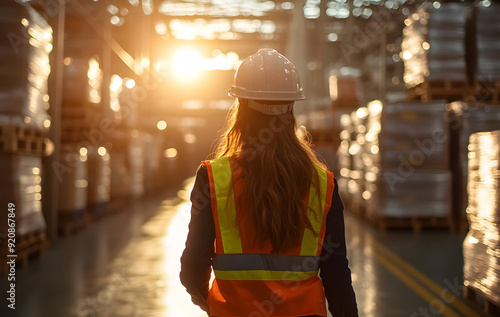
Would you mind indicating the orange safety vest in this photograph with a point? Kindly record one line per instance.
(249, 280)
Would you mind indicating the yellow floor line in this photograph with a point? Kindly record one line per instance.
(416, 287)
(450, 298)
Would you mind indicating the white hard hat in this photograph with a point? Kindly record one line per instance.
(267, 75)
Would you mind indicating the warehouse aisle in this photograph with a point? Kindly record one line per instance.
(127, 264)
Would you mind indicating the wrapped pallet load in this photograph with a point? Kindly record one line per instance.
(464, 121)
(433, 47)
(407, 176)
(137, 162)
(345, 164)
(121, 178)
(21, 195)
(24, 66)
(481, 245)
(357, 150)
(80, 112)
(488, 43)
(21, 185)
(24, 121)
(99, 178)
(73, 191)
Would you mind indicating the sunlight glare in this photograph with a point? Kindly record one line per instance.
(177, 300)
(187, 63)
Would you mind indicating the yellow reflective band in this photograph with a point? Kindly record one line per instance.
(226, 207)
(257, 275)
(310, 239)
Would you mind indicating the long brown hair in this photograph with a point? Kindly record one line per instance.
(278, 168)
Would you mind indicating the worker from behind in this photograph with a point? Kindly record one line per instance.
(266, 214)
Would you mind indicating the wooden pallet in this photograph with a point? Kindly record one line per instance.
(19, 139)
(437, 90)
(30, 239)
(118, 204)
(98, 210)
(487, 92)
(490, 307)
(79, 110)
(71, 222)
(77, 117)
(29, 247)
(416, 224)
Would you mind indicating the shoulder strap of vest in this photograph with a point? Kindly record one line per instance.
(223, 206)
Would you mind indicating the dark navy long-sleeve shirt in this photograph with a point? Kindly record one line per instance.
(196, 260)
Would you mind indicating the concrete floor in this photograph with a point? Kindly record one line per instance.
(127, 264)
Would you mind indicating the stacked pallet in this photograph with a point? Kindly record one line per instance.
(83, 187)
(126, 156)
(372, 149)
(406, 177)
(24, 70)
(22, 138)
(465, 121)
(488, 39)
(480, 247)
(81, 99)
(153, 173)
(121, 179)
(73, 215)
(99, 179)
(352, 155)
(137, 162)
(487, 75)
(434, 52)
(128, 171)
(21, 186)
(434, 44)
(413, 185)
(358, 152)
(24, 67)
(345, 164)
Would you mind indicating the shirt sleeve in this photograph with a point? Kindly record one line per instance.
(196, 260)
(334, 266)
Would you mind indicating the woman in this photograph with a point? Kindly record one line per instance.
(266, 215)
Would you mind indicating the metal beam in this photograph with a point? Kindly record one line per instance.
(51, 182)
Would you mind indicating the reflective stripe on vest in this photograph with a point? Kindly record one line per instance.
(232, 264)
(309, 240)
(265, 267)
(226, 210)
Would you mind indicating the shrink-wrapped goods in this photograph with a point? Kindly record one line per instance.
(488, 43)
(24, 66)
(464, 121)
(99, 176)
(482, 243)
(407, 171)
(401, 154)
(73, 177)
(21, 185)
(434, 44)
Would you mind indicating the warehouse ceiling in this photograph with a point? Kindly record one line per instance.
(210, 20)
(221, 8)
